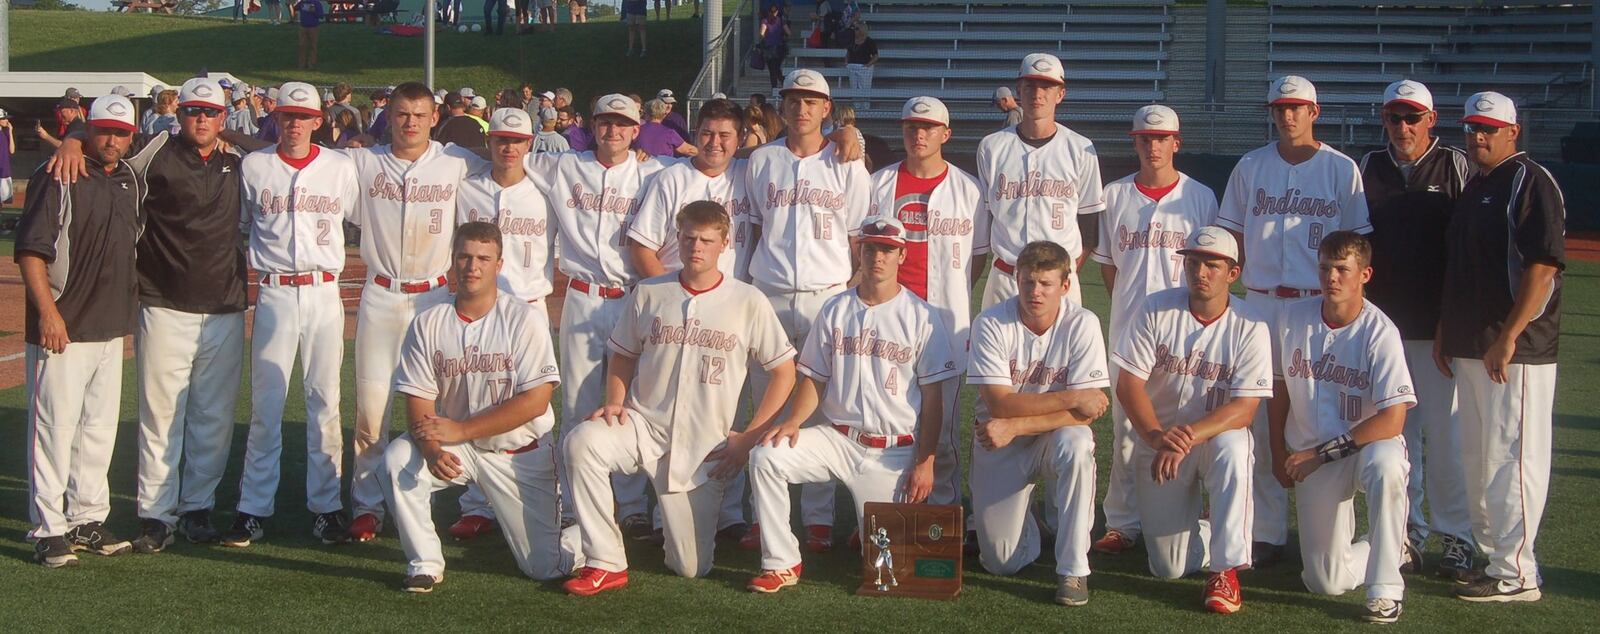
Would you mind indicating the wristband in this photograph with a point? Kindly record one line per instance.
(1335, 449)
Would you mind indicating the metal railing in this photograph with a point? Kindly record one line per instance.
(724, 63)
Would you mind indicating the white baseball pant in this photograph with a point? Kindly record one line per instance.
(596, 452)
(1002, 487)
(586, 323)
(189, 369)
(1270, 500)
(1177, 542)
(946, 460)
(819, 455)
(73, 399)
(1325, 511)
(308, 320)
(797, 311)
(522, 486)
(1121, 505)
(1505, 442)
(473, 501)
(1002, 286)
(382, 319)
(732, 513)
(1433, 445)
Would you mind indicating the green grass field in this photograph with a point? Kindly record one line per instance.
(292, 583)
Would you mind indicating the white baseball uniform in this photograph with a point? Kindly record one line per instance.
(951, 224)
(1141, 237)
(593, 205)
(1337, 378)
(466, 368)
(1191, 368)
(693, 350)
(807, 209)
(871, 363)
(1283, 211)
(1036, 194)
(656, 225)
(1069, 356)
(295, 222)
(406, 212)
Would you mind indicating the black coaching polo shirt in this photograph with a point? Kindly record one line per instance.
(191, 257)
(87, 232)
(1506, 218)
(1410, 215)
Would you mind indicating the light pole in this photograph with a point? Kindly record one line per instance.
(427, 44)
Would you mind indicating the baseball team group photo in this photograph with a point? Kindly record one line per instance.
(867, 315)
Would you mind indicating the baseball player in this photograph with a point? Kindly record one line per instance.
(77, 265)
(295, 198)
(1282, 200)
(1149, 217)
(1498, 337)
(505, 194)
(1343, 391)
(478, 374)
(875, 363)
(1040, 180)
(1040, 366)
(1195, 365)
(946, 225)
(807, 205)
(1412, 187)
(680, 351)
(594, 196)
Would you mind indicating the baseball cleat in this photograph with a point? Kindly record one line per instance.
(93, 537)
(1264, 555)
(770, 581)
(1114, 542)
(658, 537)
(419, 584)
(365, 528)
(589, 581)
(733, 533)
(1222, 592)
(1410, 559)
(246, 530)
(154, 537)
(470, 526)
(53, 552)
(1458, 558)
(196, 527)
(1072, 591)
(819, 538)
(331, 528)
(1381, 611)
(1492, 590)
(751, 539)
(636, 527)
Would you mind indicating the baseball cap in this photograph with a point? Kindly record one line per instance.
(548, 95)
(201, 92)
(512, 123)
(1043, 66)
(1003, 93)
(546, 114)
(479, 103)
(1291, 90)
(1212, 241)
(805, 80)
(299, 98)
(122, 91)
(666, 95)
(272, 93)
(926, 110)
(1154, 119)
(156, 90)
(4, 114)
(327, 95)
(883, 230)
(454, 100)
(719, 95)
(467, 92)
(617, 104)
(1492, 109)
(1410, 93)
(225, 83)
(112, 111)
(72, 93)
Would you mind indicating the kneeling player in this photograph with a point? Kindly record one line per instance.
(1195, 366)
(875, 356)
(679, 355)
(1344, 379)
(1040, 366)
(478, 374)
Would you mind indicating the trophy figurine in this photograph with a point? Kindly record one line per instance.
(923, 540)
(884, 560)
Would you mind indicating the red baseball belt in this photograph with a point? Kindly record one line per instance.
(409, 287)
(525, 448)
(875, 441)
(1288, 292)
(298, 279)
(1004, 267)
(605, 292)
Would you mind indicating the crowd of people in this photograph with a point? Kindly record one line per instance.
(1400, 318)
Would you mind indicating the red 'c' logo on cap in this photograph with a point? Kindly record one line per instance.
(117, 109)
(1483, 104)
(203, 91)
(617, 104)
(921, 107)
(299, 94)
(1406, 90)
(514, 119)
(1043, 65)
(1154, 118)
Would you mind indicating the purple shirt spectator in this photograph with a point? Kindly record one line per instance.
(657, 140)
(267, 128)
(5, 152)
(675, 121)
(310, 12)
(578, 138)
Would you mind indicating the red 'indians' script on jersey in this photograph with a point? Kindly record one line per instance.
(804, 194)
(471, 361)
(1037, 373)
(409, 191)
(1327, 369)
(691, 333)
(1153, 236)
(1291, 203)
(1194, 364)
(1033, 185)
(867, 344)
(610, 200)
(303, 203)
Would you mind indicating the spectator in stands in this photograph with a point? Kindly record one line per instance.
(498, 8)
(579, 9)
(570, 127)
(242, 118)
(461, 129)
(267, 125)
(669, 8)
(673, 119)
(377, 124)
(165, 113)
(757, 99)
(341, 100)
(526, 92)
(563, 98)
(275, 11)
(861, 57)
(547, 12)
(346, 128)
(547, 139)
(656, 139)
(69, 119)
(773, 38)
(150, 113)
(478, 110)
(877, 151)
(8, 146)
(310, 13)
(764, 125)
(633, 14)
(547, 99)
(1007, 103)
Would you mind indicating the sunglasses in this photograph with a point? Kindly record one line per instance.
(1409, 119)
(1479, 128)
(198, 111)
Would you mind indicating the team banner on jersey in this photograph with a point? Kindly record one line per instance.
(911, 550)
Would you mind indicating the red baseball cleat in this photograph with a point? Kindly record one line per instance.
(819, 538)
(591, 581)
(365, 528)
(1114, 542)
(770, 581)
(1222, 592)
(470, 526)
(751, 539)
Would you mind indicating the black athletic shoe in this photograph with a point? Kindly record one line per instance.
(154, 537)
(1410, 559)
(93, 537)
(53, 552)
(1459, 556)
(331, 528)
(420, 584)
(246, 530)
(1381, 611)
(637, 527)
(733, 533)
(1492, 590)
(196, 527)
(1264, 555)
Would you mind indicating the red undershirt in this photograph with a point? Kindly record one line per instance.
(911, 196)
(299, 163)
(692, 291)
(1156, 193)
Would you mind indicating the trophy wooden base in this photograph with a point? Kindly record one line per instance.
(923, 542)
